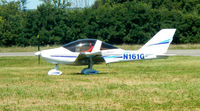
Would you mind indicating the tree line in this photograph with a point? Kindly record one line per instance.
(113, 21)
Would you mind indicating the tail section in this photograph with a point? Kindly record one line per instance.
(159, 43)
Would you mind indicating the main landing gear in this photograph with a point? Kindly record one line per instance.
(89, 70)
(85, 71)
(55, 71)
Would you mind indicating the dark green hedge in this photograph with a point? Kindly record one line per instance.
(113, 21)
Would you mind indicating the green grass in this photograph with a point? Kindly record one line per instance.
(170, 84)
(123, 46)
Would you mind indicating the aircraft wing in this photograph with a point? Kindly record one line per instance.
(84, 59)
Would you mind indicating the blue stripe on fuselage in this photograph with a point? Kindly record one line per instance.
(64, 56)
(108, 57)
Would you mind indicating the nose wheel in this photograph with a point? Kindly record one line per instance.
(89, 70)
(55, 71)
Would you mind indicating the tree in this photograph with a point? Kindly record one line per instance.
(23, 4)
(12, 24)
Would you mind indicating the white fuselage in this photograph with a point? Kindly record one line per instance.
(63, 56)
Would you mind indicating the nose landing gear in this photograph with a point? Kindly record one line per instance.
(55, 71)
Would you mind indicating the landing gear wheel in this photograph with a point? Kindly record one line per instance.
(55, 71)
(89, 71)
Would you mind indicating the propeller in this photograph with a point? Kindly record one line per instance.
(38, 53)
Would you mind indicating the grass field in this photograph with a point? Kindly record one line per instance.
(123, 46)
(170, 84)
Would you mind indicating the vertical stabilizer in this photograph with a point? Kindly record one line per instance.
(159, 43)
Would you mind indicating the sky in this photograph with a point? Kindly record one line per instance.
(32, 4)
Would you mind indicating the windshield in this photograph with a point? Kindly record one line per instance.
(106, 46)
(86, 45)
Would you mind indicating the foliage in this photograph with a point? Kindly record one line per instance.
(113, 21)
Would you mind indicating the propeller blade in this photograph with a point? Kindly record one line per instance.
(38, 54)
(38, 59)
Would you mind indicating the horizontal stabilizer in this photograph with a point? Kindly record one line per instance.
(164, 56)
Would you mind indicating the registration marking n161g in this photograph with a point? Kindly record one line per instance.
(129, 56)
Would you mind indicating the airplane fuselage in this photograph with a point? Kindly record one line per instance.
(64, 56)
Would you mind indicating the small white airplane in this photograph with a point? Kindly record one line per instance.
(92, 51)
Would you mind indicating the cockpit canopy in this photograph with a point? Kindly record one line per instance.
(86, 45)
